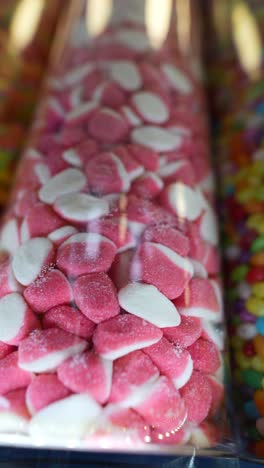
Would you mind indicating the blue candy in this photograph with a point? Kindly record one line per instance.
(260, 325)
(251, 410)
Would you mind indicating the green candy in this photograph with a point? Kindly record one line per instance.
(239, 273)
(252, 378)
(257, 245)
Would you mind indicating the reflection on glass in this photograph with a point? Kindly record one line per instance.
(158, 15)
(183, 10)
(247, 38)
(98, 13)
(25, 23)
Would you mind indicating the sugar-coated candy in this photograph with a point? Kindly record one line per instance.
(68, 181)
(85, 253)
(80, 207)
(48, 290)
(165, 269)
(69, 319)
(31, 258)
(31, 227)
(87, 373)
(170, 411)
(199, 300)
(126, 74)
(12, 377)
(123, 334)
(8, 282)
(169, 236)
(186, 333)
(150, 107)
(74, 416)
(123, 424)
(133, 376)
(108, 126)
(16, 319)
(107, 174)
(156, 138)
(205, 356)
(14, 415)
(197, 396)
(45, 350)
(172, 360)
(43, 390)
(96, 297)
(146, 301)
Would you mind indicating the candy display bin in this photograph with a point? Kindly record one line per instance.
(112, 335)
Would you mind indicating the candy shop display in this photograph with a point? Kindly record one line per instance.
(238, 99)
(111, 317)
(23, 57)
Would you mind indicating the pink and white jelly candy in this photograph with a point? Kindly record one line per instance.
(172, 360)
(96, 297)
(197, 395)
(48, 290)
(32, 227)
(123, 334)
(165, 269)
(186, 333)
(31, 258)
(146, 301)
(85, 253)
(12, 377)
(16, 319)
(170, 411)
(8, 282)
(133, 376)
(43, 390)
(87, 373)
(74, 415)
(14, 415)
(107, 174)
(199, 300)
(69, 319)
(108, 126)
(205, 356)
(45, 350)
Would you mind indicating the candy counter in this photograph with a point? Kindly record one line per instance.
(111, 298)
(26, 31)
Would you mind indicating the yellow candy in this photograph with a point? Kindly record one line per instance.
(242, 360)
(257, 363)
(255, 220)
(245, 195)
(255, 305)
(258, 288)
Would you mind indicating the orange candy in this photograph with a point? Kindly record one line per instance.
(259, 401)
(259, 345)
(259, 448)
(257, 259)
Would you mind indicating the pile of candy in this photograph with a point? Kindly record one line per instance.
(239, 141)
(110, 311)
(20, 80)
